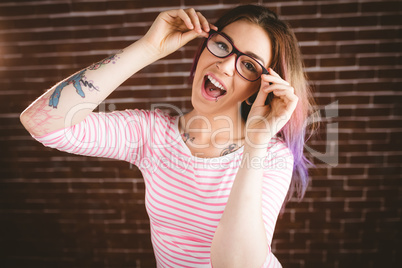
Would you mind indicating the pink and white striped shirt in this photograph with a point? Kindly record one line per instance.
(185, 194)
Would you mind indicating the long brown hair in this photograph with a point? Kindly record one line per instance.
(287, 62)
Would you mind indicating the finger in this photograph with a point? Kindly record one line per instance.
(213, 27)
(286, 94)
(274, 79)
(204, 22)
(194, 19)
(291, 106)
(280, 89)
(188, 36)
(261, 97)
(184, 17)
(272, 72)
(273, 87)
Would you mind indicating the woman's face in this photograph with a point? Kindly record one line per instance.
(217, 86)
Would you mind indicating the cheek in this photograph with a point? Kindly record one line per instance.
(251, 89)
(205, 59)
(201, 65)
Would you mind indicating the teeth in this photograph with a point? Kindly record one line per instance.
(216, 83)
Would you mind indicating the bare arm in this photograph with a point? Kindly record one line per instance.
(240, 239)
(71, 100)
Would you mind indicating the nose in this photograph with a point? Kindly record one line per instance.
(227, 65)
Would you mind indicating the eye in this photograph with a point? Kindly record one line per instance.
(250, 66)
(222, 46)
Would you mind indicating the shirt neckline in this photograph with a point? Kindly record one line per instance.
(227, 157)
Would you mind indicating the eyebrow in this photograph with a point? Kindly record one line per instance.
(249, 53)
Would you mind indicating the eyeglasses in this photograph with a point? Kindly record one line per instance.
(248, 67)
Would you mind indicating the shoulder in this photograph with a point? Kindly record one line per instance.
(279, 157)
(149, 116)
(278, 147)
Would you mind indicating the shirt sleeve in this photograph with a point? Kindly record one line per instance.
(121, 135)
(278, 169)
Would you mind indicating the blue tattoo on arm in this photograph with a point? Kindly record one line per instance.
(79, 78)
(76, 80)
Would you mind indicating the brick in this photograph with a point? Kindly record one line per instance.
(315, 194)
(397, 110)
(312, 23)
(357, 74)
(135, 212)
(374, 112)
(126, 241)
(322, 49)
(288, 246)
(359, 48)
(36, 9)
(344, 87)
(310, 63)
(330, 245)
(317, 76)
(306, 36)
(387, 99)
(333, 184)
(364, 204)
(399, 59)
(384, 148)
(394, 136)
(378, 6)
(384, 170)
(338, 61)
(376, 61)
(356, 21)
(343, 8)
(298, 10)
(200, 2)
(380, 194)
(337, 36)
(372, 182)
(377, 34)
(348, 171)
(390, 19)
(94, 6)
(346, 193)
(394, 159)
(354, 124)
(27, 23)
(139, 17)
(385, 124)
(353, 99)
(391, 73)
(367, 159)
(236, 2)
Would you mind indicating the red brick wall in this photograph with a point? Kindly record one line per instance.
(60, 210)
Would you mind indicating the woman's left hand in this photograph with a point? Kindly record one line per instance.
(264, 121)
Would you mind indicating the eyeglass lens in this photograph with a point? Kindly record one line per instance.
(246, 66)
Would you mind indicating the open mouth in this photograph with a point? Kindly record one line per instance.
(213, 89)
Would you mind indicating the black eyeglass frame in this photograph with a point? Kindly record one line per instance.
(235, 51)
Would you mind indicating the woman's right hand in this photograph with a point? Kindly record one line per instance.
(174, 28)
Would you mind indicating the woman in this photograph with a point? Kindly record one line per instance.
(216, 177)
